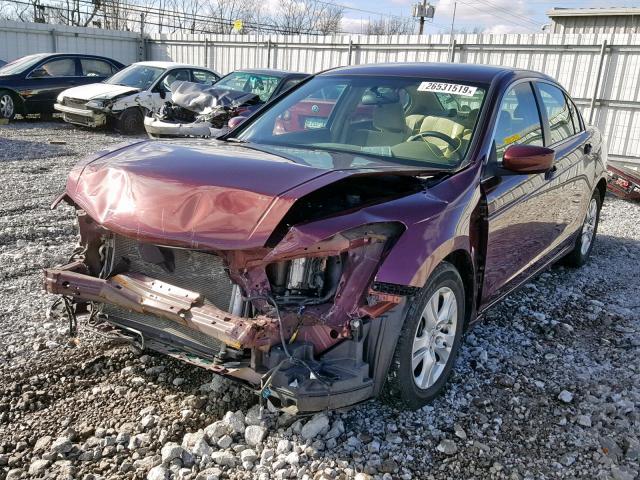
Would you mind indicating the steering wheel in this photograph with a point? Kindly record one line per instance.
(439, 135)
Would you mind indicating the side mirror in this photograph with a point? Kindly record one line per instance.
(235, 121)
(39, 73)
(528, 159)
(163, 94)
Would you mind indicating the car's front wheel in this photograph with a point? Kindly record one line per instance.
(7, 105)
(131, 121)
(429, 341)
(587, 236)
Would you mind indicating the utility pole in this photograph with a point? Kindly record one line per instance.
(451, 39)
(453, 19)
(421, 11)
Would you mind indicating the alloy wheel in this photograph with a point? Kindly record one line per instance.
(589, 226)
(434, 338)
(6, 106)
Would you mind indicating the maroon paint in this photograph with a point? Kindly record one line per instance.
(528, 158)
(229, 198)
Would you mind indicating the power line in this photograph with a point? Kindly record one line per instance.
(372, 12)
(502, 9)
(507, 19)
(127, 8)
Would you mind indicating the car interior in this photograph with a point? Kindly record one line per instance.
(397, 122)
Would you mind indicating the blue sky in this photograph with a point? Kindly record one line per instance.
(492, 16)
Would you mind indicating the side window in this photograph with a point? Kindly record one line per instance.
(95, 68)
(575, 116)
(555, 104)
(204, 77)
(518, 119)
(63, 67)
(174, 76)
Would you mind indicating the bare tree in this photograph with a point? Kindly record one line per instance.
(391, 26)
(307, 16)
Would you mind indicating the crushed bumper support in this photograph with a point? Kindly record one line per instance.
(142, 294)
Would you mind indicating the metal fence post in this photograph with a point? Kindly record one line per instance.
(452, 54)
(206, 53)
(350, 52)
(596, 87)
(54, 40)
(269, 53)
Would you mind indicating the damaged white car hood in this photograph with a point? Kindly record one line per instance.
(103, 91)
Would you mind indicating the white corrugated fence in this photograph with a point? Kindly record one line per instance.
(601, 71)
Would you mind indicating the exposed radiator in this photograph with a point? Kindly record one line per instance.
(196, 271)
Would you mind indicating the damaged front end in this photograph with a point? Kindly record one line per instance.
(198, 110)
(291, 319)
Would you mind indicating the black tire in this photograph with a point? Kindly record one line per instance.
(401, 387)
(579, 255)
(8, 105)
(131, 121)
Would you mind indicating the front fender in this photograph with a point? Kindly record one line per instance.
(447, 225)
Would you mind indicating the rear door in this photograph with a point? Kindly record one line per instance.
(95, 70)
(47, 80)
(525, 212)
(567, 136)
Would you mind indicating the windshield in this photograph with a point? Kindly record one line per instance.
(136, 76)
(258, 84)
(403, 120)
(20, 65)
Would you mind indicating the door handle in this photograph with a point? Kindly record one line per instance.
(551, 172)
(587, 148)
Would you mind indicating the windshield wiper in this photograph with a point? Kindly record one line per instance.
(235, 140)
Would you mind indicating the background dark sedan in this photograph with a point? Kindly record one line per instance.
(31, 84)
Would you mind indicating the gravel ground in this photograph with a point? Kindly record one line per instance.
(547, 387)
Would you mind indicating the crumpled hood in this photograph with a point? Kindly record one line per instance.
(202, 194)
(98, 90)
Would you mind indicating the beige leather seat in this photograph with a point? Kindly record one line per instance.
(414, 122)
(391, 129)
(444, 125)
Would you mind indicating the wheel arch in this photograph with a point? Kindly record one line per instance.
(601, 186)
(461, 260)
(17, 99)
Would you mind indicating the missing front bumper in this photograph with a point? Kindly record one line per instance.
(339, 377)
(138, 293)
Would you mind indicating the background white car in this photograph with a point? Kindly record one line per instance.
(123, 99)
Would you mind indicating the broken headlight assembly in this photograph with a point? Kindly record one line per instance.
(305, 281)
(97, 104)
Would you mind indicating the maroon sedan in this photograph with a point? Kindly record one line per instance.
(342, 259)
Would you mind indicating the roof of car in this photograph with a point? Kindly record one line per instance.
(273, 73)
(170, 65)
(451, 71)
(63, 54)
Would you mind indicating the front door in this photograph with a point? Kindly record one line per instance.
(161, 93)
(524, 212)
(45, 82)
